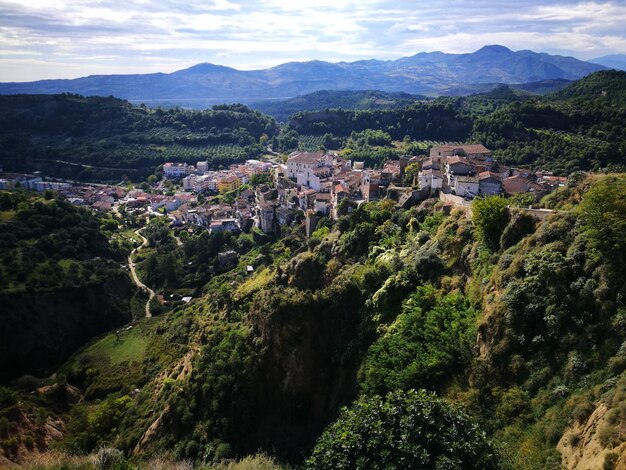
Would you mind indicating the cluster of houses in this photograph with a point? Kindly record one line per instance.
(470, 170)
(32, 182)
(97, 196)
(201, 179)
(308, 186)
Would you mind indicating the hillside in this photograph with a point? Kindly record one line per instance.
(516, 321)
(111, 139)
(423, 73)
(61, 282)
(577, 128)
(345, 99)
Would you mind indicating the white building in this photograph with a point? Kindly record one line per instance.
(300, 161)
(176, 170)
(466, 186)
(430, 179)
(202, 167)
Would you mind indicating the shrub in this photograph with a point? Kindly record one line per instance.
(404, 430)
(490, 217)
(109, 458)
(610, 460)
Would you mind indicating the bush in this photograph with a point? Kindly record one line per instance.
(490, 216)
(109, 458)
(404, 430)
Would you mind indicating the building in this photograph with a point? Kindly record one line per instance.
(456, 165)
(313, 177)
(224, 225)
(228, 183)
(470, 151)
(266, 217)
(202, 167)
(299, 161)
(466, 186)
(430, 179)
(516, 184)
(489, 183)
(175, 170)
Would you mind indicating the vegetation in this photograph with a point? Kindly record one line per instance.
(453, 341)
(109, 139)
(58, 272)
(577, 128)
(405, 430)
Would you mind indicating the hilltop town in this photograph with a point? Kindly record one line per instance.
(307, 186)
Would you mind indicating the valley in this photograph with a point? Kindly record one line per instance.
(391, 281)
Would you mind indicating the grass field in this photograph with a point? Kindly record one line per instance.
(254, 283)
(131, 346)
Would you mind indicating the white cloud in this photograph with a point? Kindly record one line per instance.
(68, 38)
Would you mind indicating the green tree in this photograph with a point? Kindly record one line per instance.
(603, 213)
(412, 429)
(490, 217)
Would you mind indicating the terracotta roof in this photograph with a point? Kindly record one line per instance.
(456, 159)
(471, 148)
(488, 175)
(306, 157)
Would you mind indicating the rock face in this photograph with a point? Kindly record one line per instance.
(38, 332)
(581, 448)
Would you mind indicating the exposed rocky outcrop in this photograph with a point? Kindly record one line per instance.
(581, 447)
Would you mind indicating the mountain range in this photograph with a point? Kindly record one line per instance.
(613, 61)
(426, 73)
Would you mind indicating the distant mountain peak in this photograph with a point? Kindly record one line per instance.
(204, 67)
(494, 48)
(431, 73)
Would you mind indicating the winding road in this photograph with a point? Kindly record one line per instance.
(133, 273)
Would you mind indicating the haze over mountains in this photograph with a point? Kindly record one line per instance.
(425, 73)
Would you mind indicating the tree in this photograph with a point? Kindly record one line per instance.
(603, 214)
(490, 217)
(412, 429)
(410, 172)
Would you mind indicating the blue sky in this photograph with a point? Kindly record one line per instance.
(72, 38)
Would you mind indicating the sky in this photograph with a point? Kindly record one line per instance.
(42, 39)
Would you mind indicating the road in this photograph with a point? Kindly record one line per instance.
(133, 272)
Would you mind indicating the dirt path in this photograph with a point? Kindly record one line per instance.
(133, 273)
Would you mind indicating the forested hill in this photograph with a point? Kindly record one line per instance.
(345, 99)
(578, 128)
(118, 138)
(494, 340)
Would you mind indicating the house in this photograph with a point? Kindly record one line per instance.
(102, 206)
(430, 179)
(224, 225)
(176, 170)
(300, 161)
(202, 167)
(313, 177)
(466, 186)
(284, 216)
(322, 203)
(390, 171)
(516, 184)
(228, 183)
(470, 151)
(489, 183)
(456, 165)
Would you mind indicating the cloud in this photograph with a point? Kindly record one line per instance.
(69, 38)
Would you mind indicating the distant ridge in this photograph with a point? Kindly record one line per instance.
(425, 73)
(614, 61)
